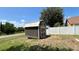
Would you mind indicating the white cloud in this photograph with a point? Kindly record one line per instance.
(6, 20)
(68, 16)
(3, 21)
(22, 20)
(14, 22)
(17, 24)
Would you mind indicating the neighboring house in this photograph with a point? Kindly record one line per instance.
(35, 30)
(73, 21)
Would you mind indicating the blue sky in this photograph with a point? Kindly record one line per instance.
(21, 15)
(71, 11)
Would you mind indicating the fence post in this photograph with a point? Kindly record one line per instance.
(74, 30)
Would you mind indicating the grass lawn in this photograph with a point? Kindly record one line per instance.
(52, 43)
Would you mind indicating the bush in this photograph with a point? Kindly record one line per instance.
(20, 29)
(9, 28)
(1, 33)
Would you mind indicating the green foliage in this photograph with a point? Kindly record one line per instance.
(1, 27)
(52, 15)
(20, 29)
(0, 32)
(66, 22)
(9, 28)
(57, 24)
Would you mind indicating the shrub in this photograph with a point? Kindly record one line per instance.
(1, 33)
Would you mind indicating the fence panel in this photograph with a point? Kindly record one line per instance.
(73, 30)
(76, 30)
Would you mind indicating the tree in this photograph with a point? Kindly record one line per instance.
(20, 29)
(52, 15)
(9, 28)
(66, 22)
(0, 26)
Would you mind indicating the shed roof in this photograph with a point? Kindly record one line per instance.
(35, 24)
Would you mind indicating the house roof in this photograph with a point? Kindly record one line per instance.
(73, 20)
(35, 24)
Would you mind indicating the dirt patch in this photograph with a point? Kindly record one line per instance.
(60, 41)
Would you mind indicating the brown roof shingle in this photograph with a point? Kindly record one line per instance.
(73, 20)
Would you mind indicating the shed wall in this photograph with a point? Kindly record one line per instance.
(42, 30)
(31, 32)
(36, 32)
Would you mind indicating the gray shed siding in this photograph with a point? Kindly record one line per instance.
(31, 32)
(42, 30)
(36, 32)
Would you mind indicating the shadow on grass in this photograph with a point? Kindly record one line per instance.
(40, 38)
(47, 36)
(17, 48)
(48, 48)
(36, 48)
(39, 48)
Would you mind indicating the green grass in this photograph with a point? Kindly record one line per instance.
(53, 43)
(17, 42)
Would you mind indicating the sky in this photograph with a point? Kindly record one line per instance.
(22, 15)
(71, 11)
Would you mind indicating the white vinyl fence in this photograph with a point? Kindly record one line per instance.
(73, 30)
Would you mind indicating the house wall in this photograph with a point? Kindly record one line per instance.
(70, 24)
(73, 24)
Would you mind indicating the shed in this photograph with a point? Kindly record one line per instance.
(35, 30)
